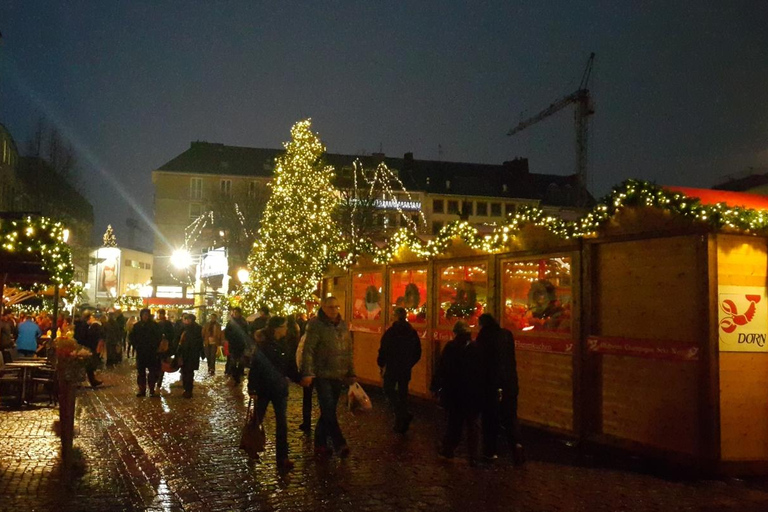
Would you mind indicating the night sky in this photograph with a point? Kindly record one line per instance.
(680, 88)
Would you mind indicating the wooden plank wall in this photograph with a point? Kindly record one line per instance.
(546, 389)
(743, 261)
(647, 289)
(366, 352)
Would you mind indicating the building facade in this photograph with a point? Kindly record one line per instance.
(208, 174)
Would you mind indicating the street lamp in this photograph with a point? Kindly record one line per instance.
(181, 258)
(242, 275)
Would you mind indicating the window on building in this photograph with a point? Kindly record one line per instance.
(438, 206)
(495, 209)
(225, 187)
(253, 188)
(466, 208)
(196, 188)
(482, 208)
(195, 210)
(453, 207)
(415, 219)
(436, 227)
(509, 208)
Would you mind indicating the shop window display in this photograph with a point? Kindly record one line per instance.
(537, 295)
(463, 293)
(408, 289)
(367, 296)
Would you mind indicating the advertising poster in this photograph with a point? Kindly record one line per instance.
(108, 272)
(742, 318)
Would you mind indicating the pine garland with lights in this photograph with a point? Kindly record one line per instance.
(297, 239)
(109, 239)
(631, 193)
(43, 237)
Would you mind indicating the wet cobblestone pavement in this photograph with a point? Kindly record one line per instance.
(170, 453)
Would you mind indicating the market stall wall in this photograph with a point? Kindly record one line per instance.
(538, 307)
(742, 264)
(646, 331)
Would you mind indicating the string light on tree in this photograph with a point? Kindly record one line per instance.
(109, 239)
(298, 238)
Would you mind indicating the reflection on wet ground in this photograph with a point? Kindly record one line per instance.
(170, 453)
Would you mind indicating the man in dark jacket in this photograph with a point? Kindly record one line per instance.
(400, 350)
(268, 379)
(236, 334)
(500, 387)
(189, 352)
(145, 338)
(458, 381)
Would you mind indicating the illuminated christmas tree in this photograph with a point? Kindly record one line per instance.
(297, 239)
(109, 237)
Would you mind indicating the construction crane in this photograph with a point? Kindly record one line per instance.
(584, 109)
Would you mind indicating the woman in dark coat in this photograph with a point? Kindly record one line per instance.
(459, 382)
(268, 379)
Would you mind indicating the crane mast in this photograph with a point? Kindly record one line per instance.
(583, 102)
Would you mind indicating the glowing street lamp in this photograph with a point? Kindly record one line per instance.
(242, 275)
(181, 258)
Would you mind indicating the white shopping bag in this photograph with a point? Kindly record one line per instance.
(357, 398)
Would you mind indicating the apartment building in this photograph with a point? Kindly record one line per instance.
(438, 192)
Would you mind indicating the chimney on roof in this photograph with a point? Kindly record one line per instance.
(517, 166)
(408, 161)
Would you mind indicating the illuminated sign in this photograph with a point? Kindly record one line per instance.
(214, 263)
(743, 318)
(397, 205)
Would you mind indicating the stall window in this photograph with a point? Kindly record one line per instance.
(408, 289)
(537, 295)
(463, 293)
(366, 292)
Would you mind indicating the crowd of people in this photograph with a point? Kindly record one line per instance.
(475, 381)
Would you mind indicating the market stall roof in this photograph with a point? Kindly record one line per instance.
(711, 197)
(23, 268)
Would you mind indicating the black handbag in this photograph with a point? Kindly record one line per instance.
(253, 438)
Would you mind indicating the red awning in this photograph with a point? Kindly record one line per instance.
(708, 196)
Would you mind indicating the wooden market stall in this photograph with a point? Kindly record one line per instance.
(641, 326)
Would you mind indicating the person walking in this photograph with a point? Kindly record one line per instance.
(500, 390)
(399, 351)
(268, 380)
(129, 352)
(260, 321)
(168, 342)
(459, 383)
(145, 338)
(94, 337)
(29, 333)
(113, 341)
(327, 362)
(237, 337)
(293, 337)
(214, 338)
(189, 352)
